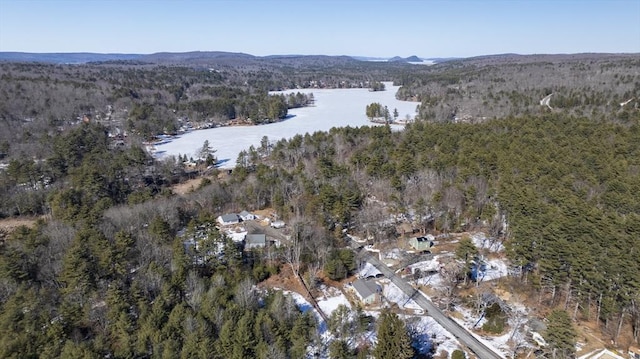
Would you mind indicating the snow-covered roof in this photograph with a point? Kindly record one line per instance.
(368, 271)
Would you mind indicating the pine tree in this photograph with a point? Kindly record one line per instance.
(466, 252)
(394, 341)
(338, 349)
(560, 335)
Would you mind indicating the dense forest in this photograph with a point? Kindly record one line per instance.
(105, 271)
(493, 87)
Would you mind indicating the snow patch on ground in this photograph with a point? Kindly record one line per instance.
(433, 280)
(432, 334)
(514, 331)
(426, 266)
(496, 268)
(304, 307)
(236, 236)
(393, 294)
(481, 241)
(331, 299)
(394, 254)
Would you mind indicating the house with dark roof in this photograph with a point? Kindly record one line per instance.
(252, 241)
(228, 219)
(368, 292)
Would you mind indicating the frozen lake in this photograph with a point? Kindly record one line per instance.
(332, 108)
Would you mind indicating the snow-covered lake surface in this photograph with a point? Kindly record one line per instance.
(332, 108)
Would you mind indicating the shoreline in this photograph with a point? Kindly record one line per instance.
(331, 108)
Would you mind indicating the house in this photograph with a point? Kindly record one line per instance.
(277, 224)
(601, 354)
(422, 244)
(246, 216)
(367, 291)
(252, 241)
(228, 219)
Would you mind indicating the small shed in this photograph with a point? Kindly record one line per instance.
(228, 219)
(367, 291)
(422, 244)
(252, 241)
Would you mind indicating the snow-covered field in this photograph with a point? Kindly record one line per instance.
(333, 108)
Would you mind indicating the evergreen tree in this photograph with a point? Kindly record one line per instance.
(560, 335)
(206, 152)
(338, 349)
(394, 341)
(466, 252)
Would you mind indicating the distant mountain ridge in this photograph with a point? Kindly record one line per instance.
(212, 58)
(66, 57)
(192, 57)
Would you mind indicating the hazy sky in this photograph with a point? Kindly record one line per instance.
(349, 27)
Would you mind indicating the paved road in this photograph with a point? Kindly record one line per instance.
(481, 350)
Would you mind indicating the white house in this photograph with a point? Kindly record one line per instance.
(277, 224)
(246, 216)
(228, 219)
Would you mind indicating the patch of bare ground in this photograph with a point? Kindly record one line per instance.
(189, 185)
(265, 213)
(286, 280)
(10, 224)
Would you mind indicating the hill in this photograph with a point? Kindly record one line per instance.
(65, 57)
(405, 59)
(193, 58)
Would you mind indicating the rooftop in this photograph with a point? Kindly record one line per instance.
(365, 288)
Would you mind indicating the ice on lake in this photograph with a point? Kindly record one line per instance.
(332, 108)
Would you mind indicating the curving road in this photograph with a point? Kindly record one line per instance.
(481, 350)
